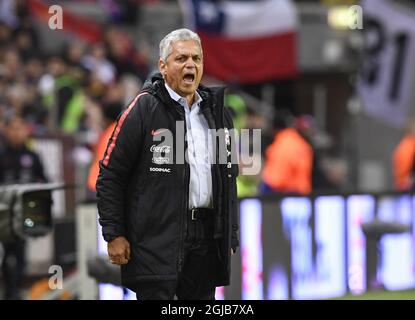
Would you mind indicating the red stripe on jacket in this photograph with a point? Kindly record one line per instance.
(118, 128)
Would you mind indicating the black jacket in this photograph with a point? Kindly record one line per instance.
(147, 202)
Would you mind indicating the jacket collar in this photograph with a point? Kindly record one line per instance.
(212, 97)
(175, 96)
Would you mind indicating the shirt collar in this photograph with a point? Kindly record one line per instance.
(180, 99)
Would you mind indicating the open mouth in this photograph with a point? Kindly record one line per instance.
(189, 78)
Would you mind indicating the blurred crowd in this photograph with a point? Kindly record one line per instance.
(67, 91)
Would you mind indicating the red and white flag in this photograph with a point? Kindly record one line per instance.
(245, 41)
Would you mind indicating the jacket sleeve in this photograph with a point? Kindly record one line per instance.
(233, 189)
(119, 160)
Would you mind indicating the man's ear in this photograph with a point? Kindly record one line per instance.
(162, 67)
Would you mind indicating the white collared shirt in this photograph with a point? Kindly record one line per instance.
(199, 150)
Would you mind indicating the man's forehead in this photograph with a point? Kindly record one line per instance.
(186, 47)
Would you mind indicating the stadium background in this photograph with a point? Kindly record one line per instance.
(292, 247)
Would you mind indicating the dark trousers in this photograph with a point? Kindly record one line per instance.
(196, 280)
(13, 268)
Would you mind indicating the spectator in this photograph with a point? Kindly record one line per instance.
(321, 179)
(18, 164)
(288, 163)
(247, 185)
(66, 99)
(403, 159)
(123, 54)
(98, 64)
(111, 112)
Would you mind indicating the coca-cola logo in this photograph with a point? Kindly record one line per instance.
(160, 149)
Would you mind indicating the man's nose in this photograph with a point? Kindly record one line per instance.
(190, 64)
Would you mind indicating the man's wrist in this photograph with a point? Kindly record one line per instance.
(109, 238)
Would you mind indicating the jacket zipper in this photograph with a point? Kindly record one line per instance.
(183, 220)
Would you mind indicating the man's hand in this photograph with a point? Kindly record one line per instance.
(119, 251)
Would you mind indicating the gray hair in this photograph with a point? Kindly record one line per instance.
(177, 35)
